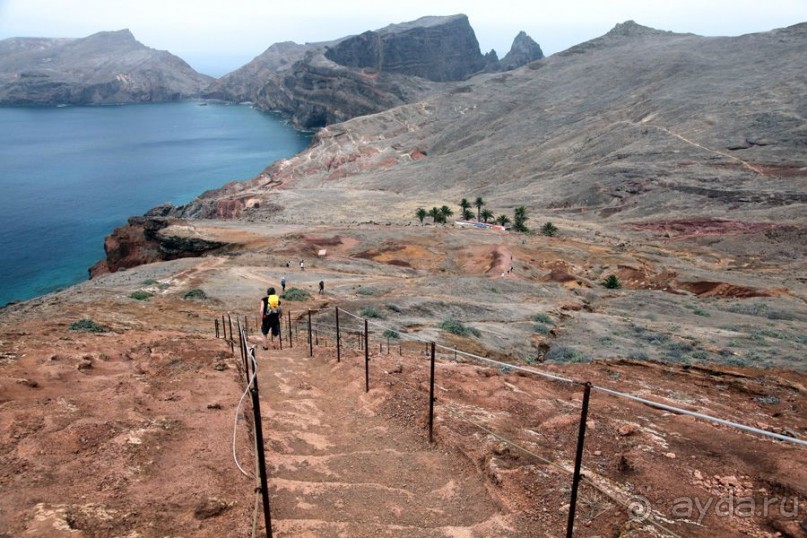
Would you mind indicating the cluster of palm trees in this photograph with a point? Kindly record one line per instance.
(440, 215)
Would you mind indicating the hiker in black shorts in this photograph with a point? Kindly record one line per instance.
(270, 317)
(321, 287)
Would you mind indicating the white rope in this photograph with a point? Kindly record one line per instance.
(238, 410)
(702, 416)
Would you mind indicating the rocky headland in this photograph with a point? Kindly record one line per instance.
(104, 68)
(318, 84)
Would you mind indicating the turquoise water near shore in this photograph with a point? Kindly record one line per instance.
(69, 176)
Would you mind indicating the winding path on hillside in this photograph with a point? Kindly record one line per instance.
(339, 468)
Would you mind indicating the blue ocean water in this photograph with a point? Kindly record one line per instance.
(69, 176)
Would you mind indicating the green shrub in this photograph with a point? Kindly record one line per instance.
(366, 291)
(149, 282)
(391, 333)
(758, 309)
(612, 282)
(370, 312)
(540, 328)
(606, 341)
(543, 318)
(195, 293)
(456, 327)
(564, 354)
(141, 295)
(549, 229)
(87, 325)
(295, 294)
(699, 312)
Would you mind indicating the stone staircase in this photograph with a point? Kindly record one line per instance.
(339, 468)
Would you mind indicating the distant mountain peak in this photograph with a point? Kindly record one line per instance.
(523, 51)
(632, 28)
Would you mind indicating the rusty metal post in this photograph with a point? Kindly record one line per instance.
(338, 338)
(230, 321)
(578, 460)
(310, 339)
(259, 447)
(431, 397)
(217, 326)
(366, 360)
(290, 335)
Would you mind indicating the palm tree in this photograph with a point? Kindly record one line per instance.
(421, 214)
(479, 202)
(487, 214)
(519, 218)
(446, 211)
(549, 229)
(436, 215)
(503, 220)
(465, 205)
(467, 214)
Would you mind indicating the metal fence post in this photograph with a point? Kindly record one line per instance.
(431, 397)
(310, 339)
(217, 327)
(578, 460)
(256, 406)
(338, 338)
(366, 360)
(290, 335)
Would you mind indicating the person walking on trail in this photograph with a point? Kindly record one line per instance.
(283, 284)
(321, 287)
(302, 265)
(270, 317)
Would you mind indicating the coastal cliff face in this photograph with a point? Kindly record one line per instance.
(435, 48)
(144, 240)
(104, 68)
(319, 84)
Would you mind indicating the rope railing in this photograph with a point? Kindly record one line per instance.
(360, 328)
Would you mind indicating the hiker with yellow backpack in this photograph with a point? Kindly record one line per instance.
(270, 317)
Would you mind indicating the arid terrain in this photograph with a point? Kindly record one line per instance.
(128, 432)
(670, 164)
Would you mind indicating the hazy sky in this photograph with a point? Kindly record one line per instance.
(216, 37)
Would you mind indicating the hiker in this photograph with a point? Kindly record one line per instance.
(321, 286)
(302, 265)
(283, 284)
(270, 317)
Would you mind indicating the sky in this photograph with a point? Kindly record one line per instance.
(219, 36)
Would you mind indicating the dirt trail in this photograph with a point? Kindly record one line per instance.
(338, 468)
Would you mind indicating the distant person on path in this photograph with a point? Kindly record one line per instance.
(321, 287)
(270, 317)
(302, 265)
(283, 284)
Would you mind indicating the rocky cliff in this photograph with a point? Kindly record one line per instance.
(435, 48)
(104, 68)
(323, 83)
(523, 51)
